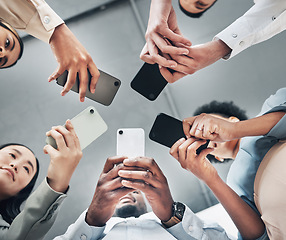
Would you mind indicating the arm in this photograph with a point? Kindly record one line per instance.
(162, 24)
(264, 20)
(41, 208)
(246, 220)
(207, 126)
(107, 194)
(38, 19)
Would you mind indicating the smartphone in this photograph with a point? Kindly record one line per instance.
(167, 130)
(130, 142)
(105, 90)
(148, 81)
(88, 126)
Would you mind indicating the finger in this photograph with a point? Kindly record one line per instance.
(176, 37)
(111, 162)
(70, 128)
(67, 136)
(171, 77)
(174, 149)
(187, 123)
(192, 150)
(71, 79)
(83, 82)
(58, 138)
(145, 176)
(145, 56)
(199, 131)
(137, 185)
(194, 126)
(182, 150)
(145, 163)
(48, 149)
(95, 74)
(153, 51)
(58, 72)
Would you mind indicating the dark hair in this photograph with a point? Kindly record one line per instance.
(10, 208)
(7, 26)
(194, 15)
(224, 109)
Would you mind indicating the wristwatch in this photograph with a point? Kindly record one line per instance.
(177, 216)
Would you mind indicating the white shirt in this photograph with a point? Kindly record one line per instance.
(261, 22)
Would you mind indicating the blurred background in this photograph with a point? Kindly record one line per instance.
(113, 33)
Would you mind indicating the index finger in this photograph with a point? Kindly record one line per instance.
(187, 123)
(111, 162)
(95, 74)
(174, 37)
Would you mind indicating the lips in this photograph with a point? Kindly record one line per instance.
(127, 199)
(11, 172)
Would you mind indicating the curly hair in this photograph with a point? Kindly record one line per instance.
(224, 109)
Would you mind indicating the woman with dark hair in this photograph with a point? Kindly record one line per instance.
(11, 45)
(19, 169)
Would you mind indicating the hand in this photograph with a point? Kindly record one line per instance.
(107, 194)
(65, 159)
(200, 56)
(74, 58)
(207, 126)
(163, 25)
(150, 180)
(185, 152)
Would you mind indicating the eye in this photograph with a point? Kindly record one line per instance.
(12, 155)
(27, 169)
(7, 43)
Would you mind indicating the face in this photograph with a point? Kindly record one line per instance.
(224, 150)
(196, 6)
(132, 204)
(9, 48)
(17, 168)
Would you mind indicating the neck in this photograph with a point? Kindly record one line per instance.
(236, 149)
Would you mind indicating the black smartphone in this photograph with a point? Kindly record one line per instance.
(105, 90)
(167, 130)
(148, 81)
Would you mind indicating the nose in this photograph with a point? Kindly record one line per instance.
(12, 165)
(2, 51)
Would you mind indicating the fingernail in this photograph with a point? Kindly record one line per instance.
(92, 90)
(186, 52)
(82, 99)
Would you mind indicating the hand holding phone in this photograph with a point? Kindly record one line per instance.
(88, 126)
(105, 90)
(167, 130)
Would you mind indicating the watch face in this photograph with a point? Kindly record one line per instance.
(179, 210)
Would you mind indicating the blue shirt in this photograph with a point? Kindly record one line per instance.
(252, 150)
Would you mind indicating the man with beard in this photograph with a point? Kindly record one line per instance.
(118, 209)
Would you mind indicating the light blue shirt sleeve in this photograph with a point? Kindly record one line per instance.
(192, 227)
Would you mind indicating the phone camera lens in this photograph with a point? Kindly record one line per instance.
(120, 132)
(91, 111)
(116, 84)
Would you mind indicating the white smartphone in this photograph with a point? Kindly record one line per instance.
(131, 142)
(88, 126)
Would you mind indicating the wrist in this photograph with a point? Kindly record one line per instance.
(93, 219)
(221, 49)
(178, 210)
(58, 186)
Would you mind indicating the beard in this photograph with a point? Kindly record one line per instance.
(127, 211)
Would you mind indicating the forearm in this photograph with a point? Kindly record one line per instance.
(257, 126)
(247, 221)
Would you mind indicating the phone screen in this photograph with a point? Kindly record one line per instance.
(105, 90)
(167, 130)
(148, 81)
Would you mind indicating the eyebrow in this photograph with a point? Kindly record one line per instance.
(13, 44)
(28, 161)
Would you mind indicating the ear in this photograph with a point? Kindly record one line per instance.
(233, 119)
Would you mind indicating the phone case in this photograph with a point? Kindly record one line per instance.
(105, 90)
(88, 126)
(148, 81)
(131, 142)
(167, 130)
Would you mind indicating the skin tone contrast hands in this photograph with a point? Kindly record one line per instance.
(246, 220)
(74, 58)
(64, 159)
